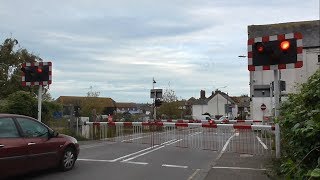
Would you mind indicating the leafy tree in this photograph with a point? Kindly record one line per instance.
(300, 131)
(171, 110)
(11, 59)
(92, 93)
(91, 103)
(171, 107)
(169, 95)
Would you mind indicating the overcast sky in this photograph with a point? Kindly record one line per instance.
(117, 47)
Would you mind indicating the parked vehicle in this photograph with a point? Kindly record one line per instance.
(224, 119)
(202, 117)
(29, 145)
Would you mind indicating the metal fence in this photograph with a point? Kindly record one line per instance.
(240, 138)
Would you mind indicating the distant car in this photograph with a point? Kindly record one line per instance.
(224, 119)
(202, 117)
(28, 145)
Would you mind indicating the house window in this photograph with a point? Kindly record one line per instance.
(318, 59)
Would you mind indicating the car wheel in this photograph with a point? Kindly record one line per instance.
(68, 159)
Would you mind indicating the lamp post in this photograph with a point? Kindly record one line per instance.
(154, 100)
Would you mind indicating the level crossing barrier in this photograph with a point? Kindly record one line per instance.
(240, 138)
(225, 121)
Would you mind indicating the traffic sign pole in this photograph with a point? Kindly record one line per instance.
(39, 102)
(276, 92)
(263, 107)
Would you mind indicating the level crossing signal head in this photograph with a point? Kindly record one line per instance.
(36, 74)
(275, 52)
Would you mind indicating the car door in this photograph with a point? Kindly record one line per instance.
(13, 149)
(43, 150)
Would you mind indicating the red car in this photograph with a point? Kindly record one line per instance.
(28, 145)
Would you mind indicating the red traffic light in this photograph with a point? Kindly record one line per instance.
(285, 45)
(260, 47)
(39, 70)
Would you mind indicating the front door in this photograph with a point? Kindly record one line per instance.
(13, 149)
(43, 151)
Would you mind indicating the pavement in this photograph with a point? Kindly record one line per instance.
(164, 161)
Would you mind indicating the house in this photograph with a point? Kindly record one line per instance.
(260, 81)
(132, 108)
(146, 108)
(217, 104)
(105, 105)
(243, 103)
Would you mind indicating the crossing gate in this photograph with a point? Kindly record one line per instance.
(240, 138)
(225, 121)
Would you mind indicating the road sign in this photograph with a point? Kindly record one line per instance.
(282, 51)
(263, 107)
(158, 93)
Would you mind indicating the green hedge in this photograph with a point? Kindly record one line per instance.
(300, 132)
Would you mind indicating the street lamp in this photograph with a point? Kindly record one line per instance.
(154, 100)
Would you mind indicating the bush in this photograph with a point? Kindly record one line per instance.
(24, 103)
(300, 131)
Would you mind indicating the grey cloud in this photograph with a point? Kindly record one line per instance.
(118, 46)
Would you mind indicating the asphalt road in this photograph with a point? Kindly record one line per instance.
(136, 161)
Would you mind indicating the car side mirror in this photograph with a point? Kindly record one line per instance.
(54, 134)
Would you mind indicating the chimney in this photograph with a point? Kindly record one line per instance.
(202, 94)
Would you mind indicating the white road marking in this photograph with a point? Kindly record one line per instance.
(238, 168)
(246, 155)
(168, 141)
(95, 160)
(264, 145)
(129, 159)
(225, 146)
(133, 139)
(134, 153)
(175, 166)
(139, 163)
(123, 157)
(163, 145)
(192, 175)
(174, 142)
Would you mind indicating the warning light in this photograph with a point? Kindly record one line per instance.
(260, 47)
(285, 45)
(39, 70)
